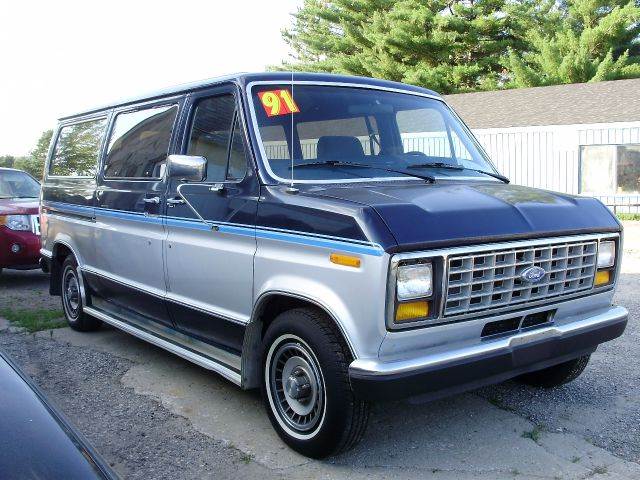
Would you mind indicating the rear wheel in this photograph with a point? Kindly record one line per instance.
(556, 375)
(305, 385)
(72, 298)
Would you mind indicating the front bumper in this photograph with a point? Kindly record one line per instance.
(29, 249)
(492, 361)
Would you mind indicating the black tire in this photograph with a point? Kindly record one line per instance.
(556, 375)
(72, 298)
(305, 339)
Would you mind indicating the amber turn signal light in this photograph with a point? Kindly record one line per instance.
(602, 277)
(346, 260)
(412, 310)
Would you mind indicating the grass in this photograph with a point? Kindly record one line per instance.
(534, 434)
(628, 216)
(34, 320)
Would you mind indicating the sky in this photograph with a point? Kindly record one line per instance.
(60, 57)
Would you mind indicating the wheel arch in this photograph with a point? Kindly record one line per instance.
(267, 307)
(60, 251)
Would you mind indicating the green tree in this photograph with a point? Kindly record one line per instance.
(466, 45)
(34, 162)
(76, 148)
(7, 161)
(582, 41)
(450, 46)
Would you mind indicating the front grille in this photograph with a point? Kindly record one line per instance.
(492, 279)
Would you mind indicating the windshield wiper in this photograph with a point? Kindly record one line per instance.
(338, 163)
(449, 166)
(491, 174)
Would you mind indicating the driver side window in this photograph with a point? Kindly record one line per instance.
(216, 133)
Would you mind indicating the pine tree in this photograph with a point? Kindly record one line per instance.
(584, 41)
(465, 45)
(456, 45)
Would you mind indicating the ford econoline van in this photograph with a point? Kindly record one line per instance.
(331, 240)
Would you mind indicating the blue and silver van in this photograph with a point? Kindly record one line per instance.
(331, 240)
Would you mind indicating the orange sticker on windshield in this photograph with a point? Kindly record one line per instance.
(278, 102)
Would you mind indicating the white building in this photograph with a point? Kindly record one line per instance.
(579, 138)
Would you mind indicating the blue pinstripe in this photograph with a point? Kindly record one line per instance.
(346, 245)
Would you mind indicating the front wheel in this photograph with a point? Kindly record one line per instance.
(306, 388)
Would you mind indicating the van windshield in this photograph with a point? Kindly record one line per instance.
(348, 133)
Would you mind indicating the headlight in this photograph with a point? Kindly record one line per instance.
(414, 281)
(606, 260)
(16, 222)
(606, 254)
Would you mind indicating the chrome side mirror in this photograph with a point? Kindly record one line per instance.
(187, 167)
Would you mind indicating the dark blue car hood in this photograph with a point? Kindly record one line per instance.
(447, 214)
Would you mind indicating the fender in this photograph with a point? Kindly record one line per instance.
(64, 239)
(257, 310)
(252, 345)
(54, 276)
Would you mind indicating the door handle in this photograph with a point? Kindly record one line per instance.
(175, 201)
(154, 200)
(217, 187)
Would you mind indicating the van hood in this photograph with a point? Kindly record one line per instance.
(448, 214)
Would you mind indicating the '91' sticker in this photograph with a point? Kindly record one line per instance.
(278, 102)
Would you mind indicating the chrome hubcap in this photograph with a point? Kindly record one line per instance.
(71, 291)
(296, 386)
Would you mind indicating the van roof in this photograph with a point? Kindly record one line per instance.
(242, 79)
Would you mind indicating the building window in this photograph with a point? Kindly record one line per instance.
(610, 169)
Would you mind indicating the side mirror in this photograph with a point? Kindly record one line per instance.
(187, 167)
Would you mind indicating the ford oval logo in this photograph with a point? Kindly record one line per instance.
(533, 274)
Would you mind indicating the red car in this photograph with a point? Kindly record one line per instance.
(19, 220)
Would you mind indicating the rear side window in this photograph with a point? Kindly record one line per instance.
(275, 142)
(424, 130)
(216, 134)
(316, 136)
(77, 149)
(139, 143)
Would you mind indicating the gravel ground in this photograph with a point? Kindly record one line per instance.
(26, 289)
(139, 438)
